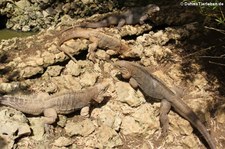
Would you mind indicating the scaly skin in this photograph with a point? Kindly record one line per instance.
(130, 17)
(62, 103)
(98, 39)
(155, 88)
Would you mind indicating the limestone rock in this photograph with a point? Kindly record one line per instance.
(62, 120)
(85, 111)
(131, 30)
(63, 141)
(88, 78)
(66, 82)
(130, 126)
(101, 54)
(73, 69)
(9, 87)
(13, 125)
(128, 95)
(181, 125)
(83, 128)
(142, 120)
(53, 71)
(190, 142)
(30, 71)
(87, 1)
(107, 137)
(37, 126)
(107, 117)
(49, 58)
(220, 114)
(22, 4)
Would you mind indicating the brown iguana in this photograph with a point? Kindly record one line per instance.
(98, 39)
(153, 87)
(62, 103)
(130, 17)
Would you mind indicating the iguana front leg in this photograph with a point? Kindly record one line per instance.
(164, 121)
(133, 83)
(92, 47)
(121, 23)
(143, 18)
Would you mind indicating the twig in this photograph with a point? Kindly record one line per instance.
(213, 57)
(216, 29)
(216, 63)
(199, 51)
(205, 49)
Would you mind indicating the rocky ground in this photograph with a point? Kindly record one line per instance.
(34, 15)
(127, 119)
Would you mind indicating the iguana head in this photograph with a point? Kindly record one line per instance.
(123, 68)
(148, 12)
(101, 89)
(151, 8)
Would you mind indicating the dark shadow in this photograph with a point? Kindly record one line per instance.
(99, 105)
(82, 55)
(127, 58)
(13, 75)
(5, 70)
(208, 50)
(3, 21)
(3, 57)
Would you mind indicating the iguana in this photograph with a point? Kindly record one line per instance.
(61, 103)
(131, 16)
(153, 87)
(98, 39)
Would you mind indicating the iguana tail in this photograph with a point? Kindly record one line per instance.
(187, 113)
(103, 23)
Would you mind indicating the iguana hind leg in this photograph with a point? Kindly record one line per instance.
(68, 54)
(50, 116)
(164, 121)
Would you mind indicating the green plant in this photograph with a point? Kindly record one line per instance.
(213, 11)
